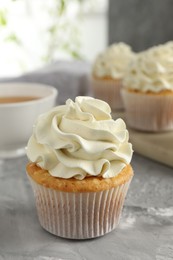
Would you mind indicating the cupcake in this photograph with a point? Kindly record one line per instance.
(107, 74)
(79, 168)
(148, 89)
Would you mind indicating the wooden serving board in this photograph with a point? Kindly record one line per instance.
(156, 146)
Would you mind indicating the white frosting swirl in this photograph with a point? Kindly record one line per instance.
(79, 139)
(113, 61)
(152, 70)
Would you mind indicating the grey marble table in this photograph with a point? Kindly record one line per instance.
(145, 231)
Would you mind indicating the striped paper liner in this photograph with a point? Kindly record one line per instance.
(148, 112)
(109, 91)
(79, 215)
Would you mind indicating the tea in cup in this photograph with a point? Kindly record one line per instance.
(20, 105)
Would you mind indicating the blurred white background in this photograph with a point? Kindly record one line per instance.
(36, 32)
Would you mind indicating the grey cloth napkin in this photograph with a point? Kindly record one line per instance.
(71, 78)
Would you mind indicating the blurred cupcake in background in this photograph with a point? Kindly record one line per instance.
(108, 71)
(148, 89)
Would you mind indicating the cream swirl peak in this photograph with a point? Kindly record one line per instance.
(151, 70)
(113, 61)
(80, 139)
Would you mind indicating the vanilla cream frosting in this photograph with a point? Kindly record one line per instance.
(113, 61)
(80, 139)
(151, 70)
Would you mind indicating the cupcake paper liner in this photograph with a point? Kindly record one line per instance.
(79, 215)
(109, 91)
(148, 112)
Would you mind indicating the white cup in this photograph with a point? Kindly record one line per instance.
(17, 119)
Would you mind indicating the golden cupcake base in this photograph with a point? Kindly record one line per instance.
(79, 214)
